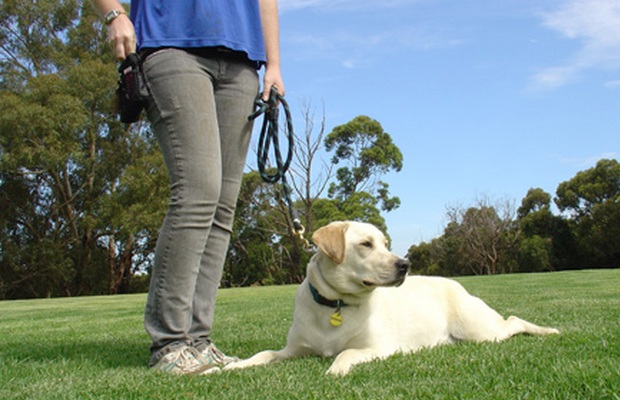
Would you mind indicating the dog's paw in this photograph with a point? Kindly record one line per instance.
(236, 365)
(262, 358)
(338, 369)
(231, 366)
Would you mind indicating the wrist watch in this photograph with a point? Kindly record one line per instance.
(111, 16)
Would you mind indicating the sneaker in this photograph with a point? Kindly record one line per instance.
(186, 360)
(212, 354)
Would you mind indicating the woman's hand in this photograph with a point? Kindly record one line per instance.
(122, 36)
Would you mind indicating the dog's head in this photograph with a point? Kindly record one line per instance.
(357, 258)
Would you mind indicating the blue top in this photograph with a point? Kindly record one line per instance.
(234, 24)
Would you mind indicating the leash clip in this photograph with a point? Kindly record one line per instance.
(298, 230)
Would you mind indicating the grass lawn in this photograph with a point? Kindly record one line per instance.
(96, 348)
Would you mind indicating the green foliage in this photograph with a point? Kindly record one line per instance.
(425, 258)
(581, 194)
(263, 250)
(480, 240)
(368, 152)
(538, 223)
(96, 348)
(484, 237)
(83, 194)
(32, 37)
(359, 206)
(535, 254)
(592, 201)
(536, 200)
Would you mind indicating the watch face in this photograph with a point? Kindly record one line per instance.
(109, 17)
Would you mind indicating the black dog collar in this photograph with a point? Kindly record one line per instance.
(324, 301)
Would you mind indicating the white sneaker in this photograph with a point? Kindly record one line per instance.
(186, 360)
(212, 354)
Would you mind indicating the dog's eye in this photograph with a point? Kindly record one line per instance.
(367, 244)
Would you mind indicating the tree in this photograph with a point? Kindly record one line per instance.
(487, 238)
(426, 258)
(591, 199)
(486, 235)
(548, 242)
(264, 248)
(66, 162)
(250, 257)
(535, 254)
(534, 201)
(367, 152)
(131, 213)
(590, 188)
(308, 184)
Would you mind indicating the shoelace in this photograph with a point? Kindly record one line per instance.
(217, 355)
(190, 358)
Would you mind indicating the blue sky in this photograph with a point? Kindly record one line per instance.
(483, 98)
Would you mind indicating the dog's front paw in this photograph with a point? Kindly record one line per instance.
(262, 358)
(240, 364)
(339, 369)
(234, 365)
(349, 358)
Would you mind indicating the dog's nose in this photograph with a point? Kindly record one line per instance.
(402, 265)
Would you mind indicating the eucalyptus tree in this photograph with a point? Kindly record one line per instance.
(591, 202)
(81, 193)
(364, 152)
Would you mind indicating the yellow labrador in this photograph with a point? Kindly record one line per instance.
(358, 304)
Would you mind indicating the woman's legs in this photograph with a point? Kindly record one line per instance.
(235, 94)
(190, 113)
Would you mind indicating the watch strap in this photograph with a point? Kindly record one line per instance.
(112, 15)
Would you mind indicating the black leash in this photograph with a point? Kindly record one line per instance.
(269, 136)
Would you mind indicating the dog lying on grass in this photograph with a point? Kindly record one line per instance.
(357, 304)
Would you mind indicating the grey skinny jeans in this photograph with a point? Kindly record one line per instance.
(198, 112)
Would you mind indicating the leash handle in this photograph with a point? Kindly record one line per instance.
(269, 106)
(269, 136)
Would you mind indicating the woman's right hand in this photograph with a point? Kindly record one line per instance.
(122, 36)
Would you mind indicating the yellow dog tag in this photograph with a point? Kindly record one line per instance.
(336, 319)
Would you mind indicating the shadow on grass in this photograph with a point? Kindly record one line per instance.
(107, 353)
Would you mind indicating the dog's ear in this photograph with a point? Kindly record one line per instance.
(330, 240)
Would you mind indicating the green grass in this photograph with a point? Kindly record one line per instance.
(96, 348)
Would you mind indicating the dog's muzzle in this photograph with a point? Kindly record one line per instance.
(402, 268)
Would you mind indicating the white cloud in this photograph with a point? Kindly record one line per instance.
(596, 25)
(585, 162)
(613, 84)
(351, 49)
(354, 45)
